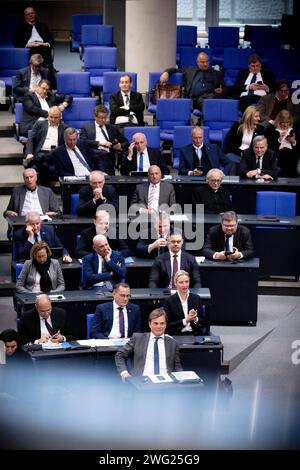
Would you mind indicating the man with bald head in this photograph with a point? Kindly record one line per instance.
(44, 323)
(199, 82)
(140, 157)
(103, 268)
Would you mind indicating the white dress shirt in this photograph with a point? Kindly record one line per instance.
(51, 138)
(31, 202)
(79, 169)
(100, 137)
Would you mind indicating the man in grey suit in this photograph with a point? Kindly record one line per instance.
(28, 78)
(153, 353)
(150, 196)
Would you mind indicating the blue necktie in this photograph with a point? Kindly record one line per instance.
(121, 322)
(253, 80)
(82, 160)
(141, 162)
(156, 356)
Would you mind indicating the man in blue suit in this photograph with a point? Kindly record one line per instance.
(117, 319)
(197, 159)
(34, 231)
(103, 268)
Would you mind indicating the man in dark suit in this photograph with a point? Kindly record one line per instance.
(199, 82)
(73, 158)
(166, 265)
(258, 161)
(101, 225)
(126, 106)
(228, 240)
(103, 268)
(154, 241)
(44, 323)
(214, 196)
(97, 193)
(253, 82)
(152, 353)
(105, 140)
(30, 196)
(45, 136)
(149, 197)
(117, 319)
(197, 159)
(36, 105)
(35, 231)
(35, 35)
(140, 157)
(29, 77)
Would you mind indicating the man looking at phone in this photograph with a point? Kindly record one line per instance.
(228, 240)
(197, 158)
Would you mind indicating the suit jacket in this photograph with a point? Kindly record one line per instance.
(189, 75)
(160, 274)
(114, 271)
(103, 320)
(29, 324)
(32, 110)
(27, 277)
(166, 194)
(215, 241)
(239, 84)
(39, 134)
(22, 82)
(214, 202)
(175, 314)
(266, 104)
(24, 30)
(155, 158)
(234, 139)
(136, 106)
(142, 246)
(88, 134)
(63, 163)
(137, 347)
(47, 198)
(269, 163)
(23, 246)
(86, 206)
(84, 244)
(211, 153)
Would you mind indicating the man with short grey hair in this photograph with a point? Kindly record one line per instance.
(258, 161)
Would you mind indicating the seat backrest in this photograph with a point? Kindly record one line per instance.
(8, 24)
(74, 203)
(97, 35)
(183, 137)
(265, 36)
(98, 60)
(81, 19)
(89, 319)
(234, 60)
(220, 113)
(81, 110)
(186, 35)
(12, 60)
(151, 132)
(276, 203)
(111, 83)
(223, 36)
(18, 112)
(173, 112)
(76, 84)
(188, 55)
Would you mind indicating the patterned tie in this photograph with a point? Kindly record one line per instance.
(141, 162)
(253, 80)
(151, 196)
(121, 322)
(175, 269)
(49, 327)
(156, 356)
(82, 160)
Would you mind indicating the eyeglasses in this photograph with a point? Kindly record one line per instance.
(215, 181)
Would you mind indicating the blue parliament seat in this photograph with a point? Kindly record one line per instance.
(98, 60)
(8, 25)
(151, 132)
(276, 203)
(221, 37)
(188, 55)
(234, 60)
(74, 203)
(12, 60)
(111, 83)
(219, 114)
(186, 36)
(78, 20)
(89, 319)
(81, 110)
(76, 84)
(183, 137)
(171, 113)
(176, 78)
(97, 35)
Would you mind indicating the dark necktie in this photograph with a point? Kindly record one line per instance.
(104, 133)
(49, 327)
(175, 269)
(156, 356)
(258, 163)
(121, 322)
(227, 247)
(141, 162)
(126, 100)
(253, 80)
(36, 238)
(82, 160)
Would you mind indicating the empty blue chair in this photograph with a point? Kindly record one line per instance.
(74, 203)
(77, 21)
(18, 117)
(12, 60)
(98, 60)
(89, 319)
(284, 63)
(276, 203)
(176, 78)
(264, 36)
(219, 114)
(151, 132)
(235, 60)
(183, 137)
(76, 84)
(81, 110)
(188, 56)
(221, 37)
(171, 113)
(186, 36)
(8, 25)
(111, 83)
(97, 35)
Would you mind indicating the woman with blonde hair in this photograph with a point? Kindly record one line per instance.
(41, 273)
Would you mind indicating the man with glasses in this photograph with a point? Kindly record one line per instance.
(228, 240)
(117, 319)
(214, 197)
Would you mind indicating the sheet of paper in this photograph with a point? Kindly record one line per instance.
(159, 379)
